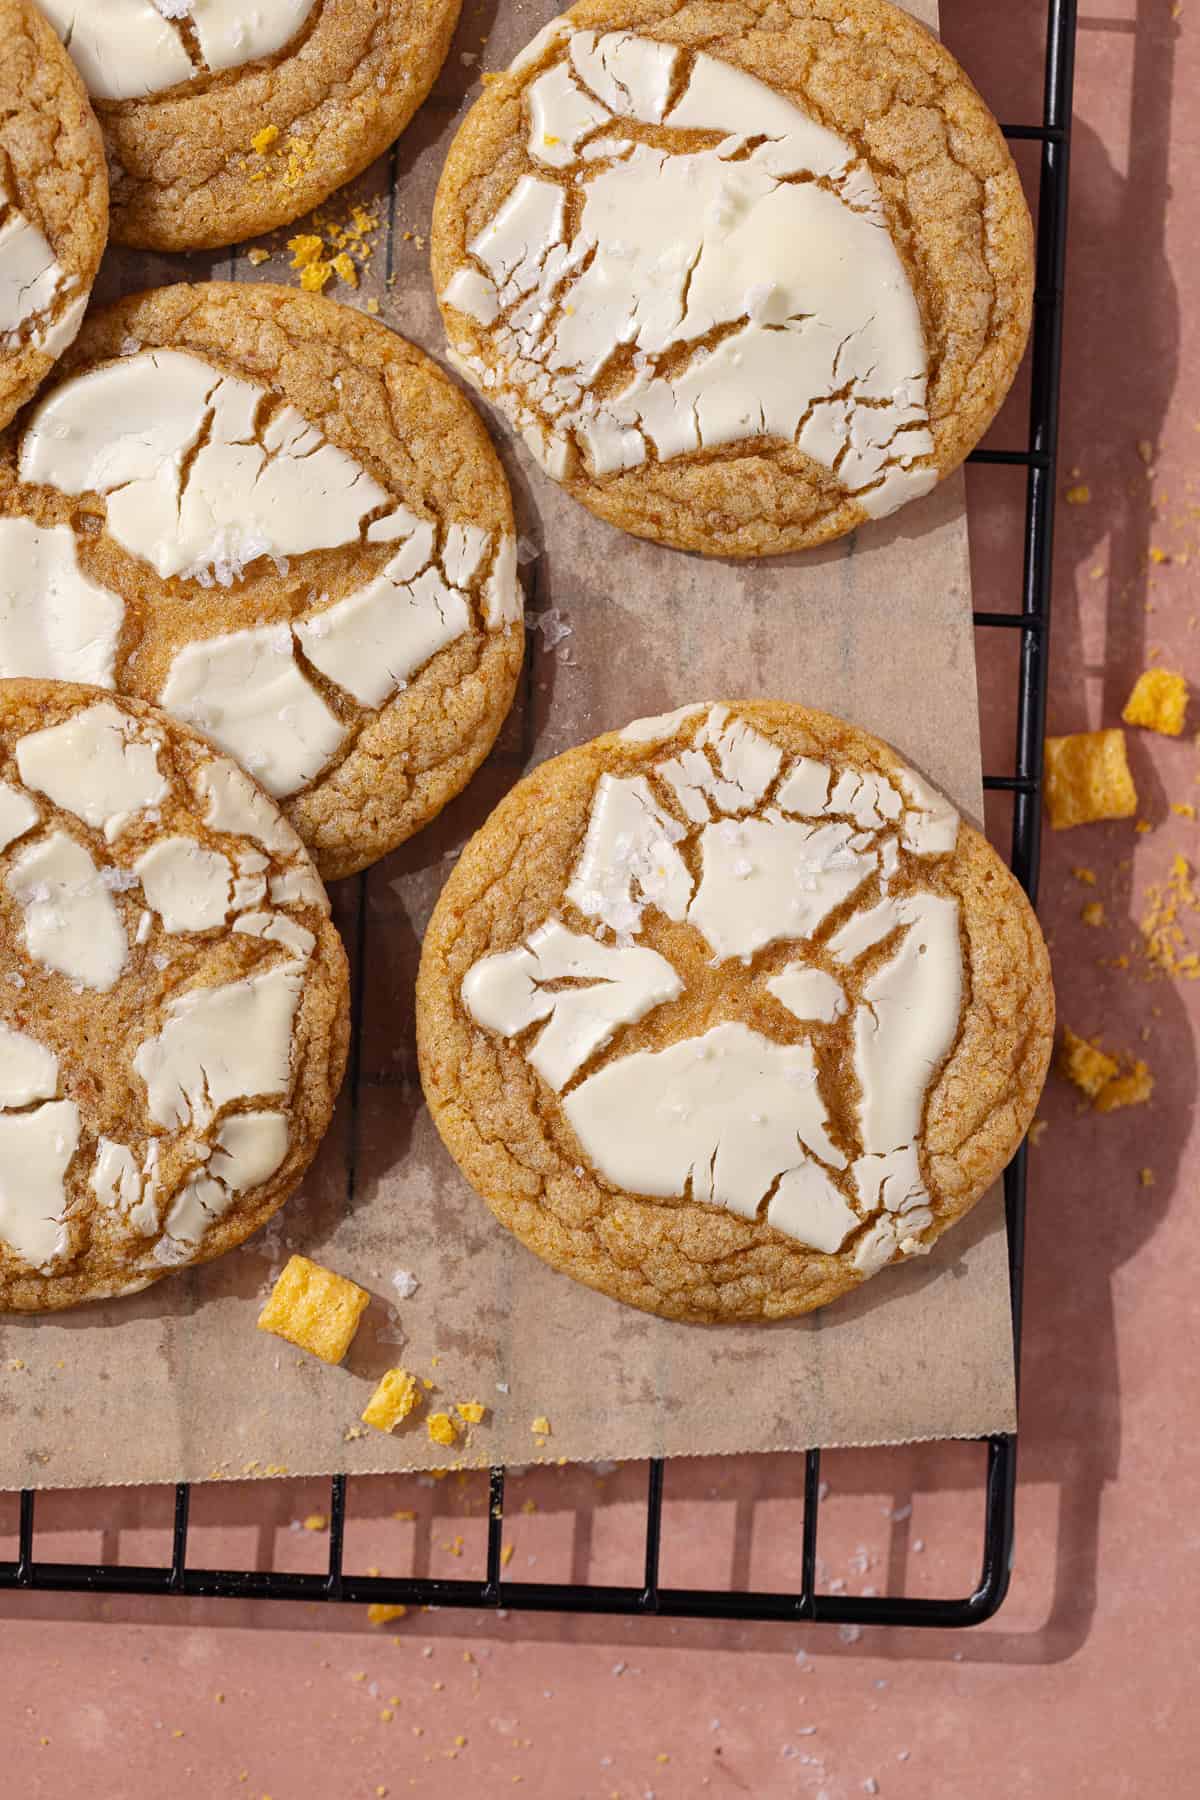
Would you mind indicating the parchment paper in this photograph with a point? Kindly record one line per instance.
(177, 1384)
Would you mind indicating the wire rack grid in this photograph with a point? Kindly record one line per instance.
(492, 1591)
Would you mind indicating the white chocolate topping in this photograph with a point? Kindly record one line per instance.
(32, 281)
(761, 266)
(99, 764)
(35, 1149)
(187, 885)
(373, 640)
(221, 1044)
(506, 994)
(246, 692)
(235, 805)
(126, 49)
(28, 1070)
(17, 814)
(731, 1117)
(71, 922)
(54, 621)
(249, 1149)
(809, 993)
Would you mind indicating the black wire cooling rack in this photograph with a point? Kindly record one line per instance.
(492, 1591)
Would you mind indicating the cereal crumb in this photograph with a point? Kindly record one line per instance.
(1093, 913)
(393, 1400)
(1088, 778)
(540, 1426)
(256, 256)
(1158, 702)
(441, 1428)
(472, 1411)
(1079, 494)
(316, 1522)
(1083, 1064)
(264, 140)
(379, 1614)
(1146, 1177)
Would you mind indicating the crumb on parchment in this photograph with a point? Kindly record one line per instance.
(441, 1428)
(1100, 1076)
(396, 1396)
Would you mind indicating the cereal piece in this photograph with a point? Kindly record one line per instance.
(314, 1309)
(441, 1428)
(1079, 494)
(471, 1410)
(263, 140)
(344, 268)
(1086, 876)
(540, 1426)
(1088, 778)
(1158, 701)
(306, 250)
(316, 1522)
(378, 1614)
(396, 1396)
(1146, 1177)
(256, 256)
(1093, 913)
(314, 277)
(1089, 1068)
(1133, 1088)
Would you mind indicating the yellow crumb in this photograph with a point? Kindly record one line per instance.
(1133, 1088)
(1082, 1063)
(1079, 494)
(386, 1715)
(1142, 827)
(257, 256)
(1087, 876)
(1088, 778)
(405, 1512)
(306, 250)
(372, 305)
(315, 276)
(1158, 701)
(344, 268)
(1093, 913)
(441, 1428)
(1037, 1132)
(316, 1522)
(1146, 1177)
(506, 1555)
(263, 140)
(314, 1309)
(1184, 808)
(379, 1614)
(395, 1397)
(541, 1425)
(471, 1410)
(548, 139)
(662, 1757)
(426, 1383)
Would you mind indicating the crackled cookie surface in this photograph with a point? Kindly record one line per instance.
(223, 120)
(725, 1012)
(284, 524)
(53, 202)
(173, 999)
(743, 277)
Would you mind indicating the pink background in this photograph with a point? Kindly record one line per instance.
(1084, 1682)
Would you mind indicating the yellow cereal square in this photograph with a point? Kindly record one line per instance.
(471, 1410)
(1090, 1069)
(441, 1428)
(1133, 1088)
(1087, 778)
(393, 1400)
(1158, 701)
(314, 1309)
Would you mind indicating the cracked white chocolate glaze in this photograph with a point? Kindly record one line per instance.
(752, 954)
(219, 498)
(171, 1041)
(750, 288)
(126, 49)
(691, 258)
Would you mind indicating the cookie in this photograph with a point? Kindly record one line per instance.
(723, 1013)
(174, 1000)
(743, 276)
(223, 121)
(53, 202)
(284, 524)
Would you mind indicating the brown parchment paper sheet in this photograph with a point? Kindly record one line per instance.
(176, 1384)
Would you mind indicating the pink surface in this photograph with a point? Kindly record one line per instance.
(1083, 1684)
